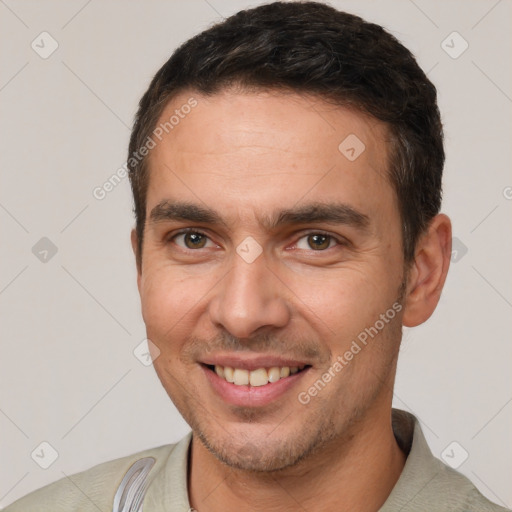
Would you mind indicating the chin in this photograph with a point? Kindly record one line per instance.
(267, 454)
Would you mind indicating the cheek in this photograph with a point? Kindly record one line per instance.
(345, 299)
(162, 299)
(171, 301)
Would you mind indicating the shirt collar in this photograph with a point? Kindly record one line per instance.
(168, 490)
(421, 467)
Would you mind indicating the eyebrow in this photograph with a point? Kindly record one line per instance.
(333, 213)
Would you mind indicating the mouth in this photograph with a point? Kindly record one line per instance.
(255, 378)
(256, 385)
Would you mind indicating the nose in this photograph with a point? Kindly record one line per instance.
(249, 298)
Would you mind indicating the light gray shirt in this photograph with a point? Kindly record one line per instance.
(425, 484)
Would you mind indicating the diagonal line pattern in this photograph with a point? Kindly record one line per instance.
(490, 490)
(415, 414)
(15, 485)
(424, 14)
(320, 115)
(96, 403)
(419, 491)
(492, 286)
(229, 473)
(485, 218)
(95, 300)
(432, 68)
(197, 400)
(88, 497)
(491, 80)
(487, 423)
(13, 279)
(13, 13)
(74, 218)
(94, 94)
(298, 504)
(14, 218)
(13, 76)
(486, 14)
(185, 184)
(213, 8)
(14, 423)
(76, 14)
(313, 186)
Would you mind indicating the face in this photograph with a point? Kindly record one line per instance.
(270, 254)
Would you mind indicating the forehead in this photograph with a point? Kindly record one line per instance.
(250, 151)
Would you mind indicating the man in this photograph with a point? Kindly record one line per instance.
(286, 169)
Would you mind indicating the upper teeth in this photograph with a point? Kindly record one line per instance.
(259, 377)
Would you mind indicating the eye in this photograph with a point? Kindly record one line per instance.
(192, 240)
(317, 242)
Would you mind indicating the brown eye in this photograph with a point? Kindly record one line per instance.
(319, 241)
(194, 240)
(191, 240)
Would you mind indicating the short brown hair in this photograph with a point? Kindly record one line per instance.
(310, 47)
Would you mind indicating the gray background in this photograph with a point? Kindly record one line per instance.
(70, 320)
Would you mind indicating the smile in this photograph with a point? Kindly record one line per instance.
(257, 377)
(254, 380)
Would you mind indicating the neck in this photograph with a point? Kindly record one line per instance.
(357, 472)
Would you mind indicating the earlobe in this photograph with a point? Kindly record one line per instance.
(427, 273)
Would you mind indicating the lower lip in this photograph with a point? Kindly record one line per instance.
(251, 396)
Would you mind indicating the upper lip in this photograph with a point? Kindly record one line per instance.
(251, 362)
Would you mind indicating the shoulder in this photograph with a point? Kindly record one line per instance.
(91, 490)
(426, 483)
(457, 492)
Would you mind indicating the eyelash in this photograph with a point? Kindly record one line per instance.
(339, 242)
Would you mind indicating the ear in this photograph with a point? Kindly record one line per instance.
(427, 273)
(135, 248)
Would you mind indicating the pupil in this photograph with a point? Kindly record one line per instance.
(319, 241)
(195, 239)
